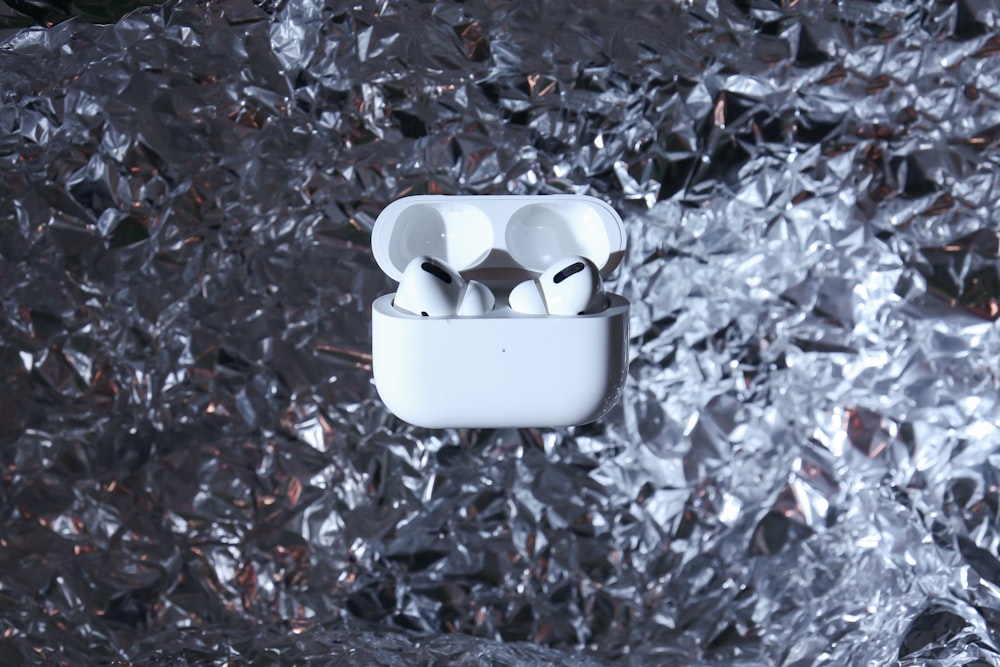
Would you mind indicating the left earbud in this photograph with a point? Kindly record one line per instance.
(431, 288)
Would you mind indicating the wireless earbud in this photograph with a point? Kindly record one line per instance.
(571, 286)
(431, 288)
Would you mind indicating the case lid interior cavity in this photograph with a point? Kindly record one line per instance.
(479, 233)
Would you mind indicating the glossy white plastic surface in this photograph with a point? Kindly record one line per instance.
(524, 232)
(502, 368)
(572, 286)
(435, 292)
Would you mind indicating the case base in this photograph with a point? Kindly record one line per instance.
(501, 370)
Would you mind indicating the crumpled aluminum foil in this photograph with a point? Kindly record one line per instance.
(805, 469)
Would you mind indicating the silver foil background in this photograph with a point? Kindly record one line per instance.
(196, 468)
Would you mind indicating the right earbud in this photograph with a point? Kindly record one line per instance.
(431, 288)
(571, 286)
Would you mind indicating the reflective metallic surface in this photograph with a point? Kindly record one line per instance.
(196, 468)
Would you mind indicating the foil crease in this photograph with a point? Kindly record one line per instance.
(196, 469)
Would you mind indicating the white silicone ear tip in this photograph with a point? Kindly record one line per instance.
(525, 298)
(478, 300)
(429, 287)
(571, 286)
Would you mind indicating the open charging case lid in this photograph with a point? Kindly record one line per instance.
(498, 238)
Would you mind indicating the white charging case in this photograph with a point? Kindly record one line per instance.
(501, 369)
